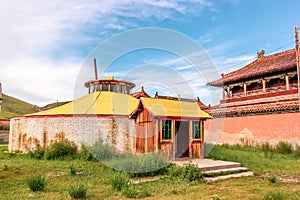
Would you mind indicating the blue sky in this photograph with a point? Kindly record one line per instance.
(44, 44)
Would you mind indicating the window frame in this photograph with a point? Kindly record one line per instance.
(166, 134)
(197, 125)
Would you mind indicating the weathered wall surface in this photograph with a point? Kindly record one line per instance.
(32, 132)
(270, 128)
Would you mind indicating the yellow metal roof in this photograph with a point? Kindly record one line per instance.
(175, 108)
(105, 103)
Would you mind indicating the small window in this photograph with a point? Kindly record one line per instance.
(166, 129)
(122, 89)
(196, 130)
(112, 87)
(127, 90)
(91, 89)
(104, 87)
(97, 88)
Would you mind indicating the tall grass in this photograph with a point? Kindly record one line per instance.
(36, 183)
(254, 157)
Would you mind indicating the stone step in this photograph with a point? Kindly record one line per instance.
(217, 178)
(219, 167)
(234, 169)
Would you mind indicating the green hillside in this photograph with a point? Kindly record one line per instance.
(12, 107)
(53, 105)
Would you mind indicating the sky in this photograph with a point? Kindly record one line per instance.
(46, 46)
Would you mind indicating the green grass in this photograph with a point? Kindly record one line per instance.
(12, 107)
(254, 159)
(15, 168)
(53, 105)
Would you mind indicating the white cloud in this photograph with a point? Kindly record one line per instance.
(40, 81)
(38, 38)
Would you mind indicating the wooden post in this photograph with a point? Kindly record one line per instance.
(95, 69)
(298, 61)
(287, 84)
(264, 85)
(202, 153)
(156, 135)
(190, 138)
(173, 139)
(245, 89)
(146, 137)
(228, 92)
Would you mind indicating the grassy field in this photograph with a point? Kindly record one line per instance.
(14, 107)
(279, 174)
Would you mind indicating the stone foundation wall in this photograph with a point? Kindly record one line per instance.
(270, 128)
(30, 133)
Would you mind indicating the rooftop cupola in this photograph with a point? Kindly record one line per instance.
(108, 84)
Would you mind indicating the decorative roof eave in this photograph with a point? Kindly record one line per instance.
(262, 66)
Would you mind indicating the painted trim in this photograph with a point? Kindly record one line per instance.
(73, 115)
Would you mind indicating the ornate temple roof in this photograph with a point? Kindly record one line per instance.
(140, 94)
(282, 103)
(263, 65)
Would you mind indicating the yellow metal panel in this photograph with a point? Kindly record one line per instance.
(107, 103)
(166, 107)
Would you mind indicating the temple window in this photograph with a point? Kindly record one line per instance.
(127, 91)
(275, 85)
(255, 88)
(122, 88)
(293, 82)
(104, 87)
(166, 129)
(91, 88)
(112, 87)
(97, 88)
(237, 91)
(196, 130)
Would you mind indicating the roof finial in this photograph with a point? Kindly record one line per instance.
(95, 69)
(156, 94)
(261, 54)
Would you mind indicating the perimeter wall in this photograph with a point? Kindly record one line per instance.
(255, 129)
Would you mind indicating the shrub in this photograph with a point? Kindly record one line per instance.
(78, 191)
(150, 164)
(267, 149)
(297, 151)
(284, 148)
(272, 179)
(277, 195)
(130, 192)
(119, 181)
(62, 150)
(100, 151)
(189, 172)
(85, 154)
(36, 183)
(72, 170)
(38, 154)
(193, 173)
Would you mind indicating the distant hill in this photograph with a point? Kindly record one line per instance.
(12, 107)
(53, 105)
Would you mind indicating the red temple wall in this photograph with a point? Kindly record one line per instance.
(270, 128)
